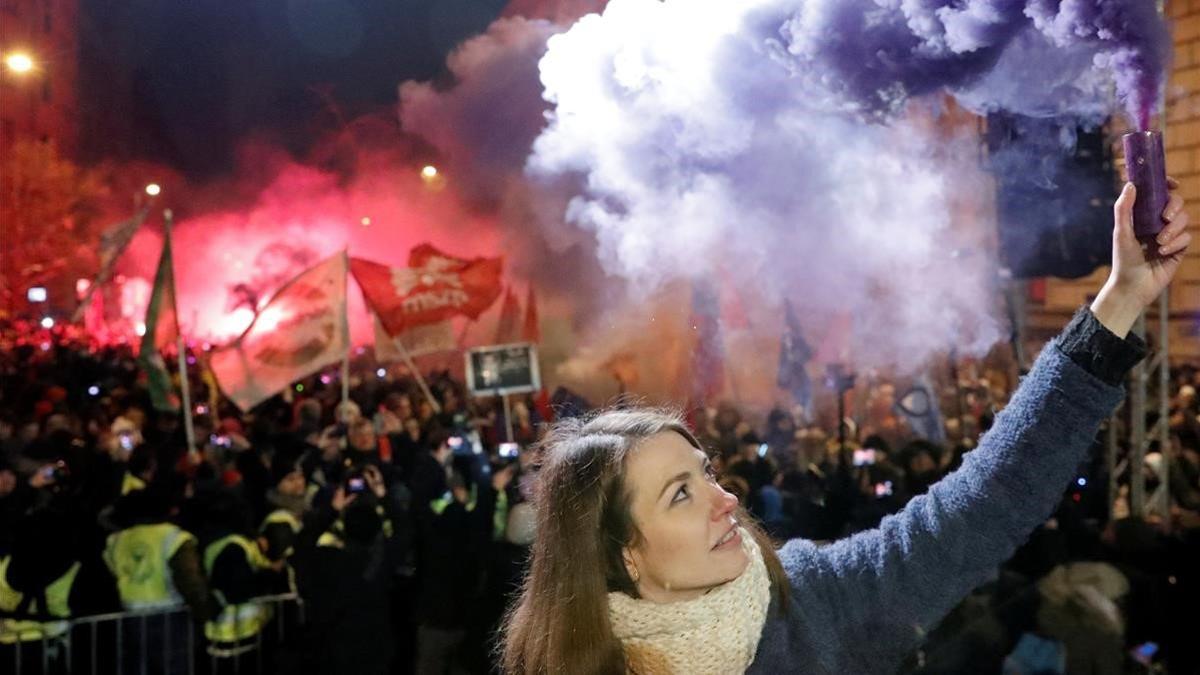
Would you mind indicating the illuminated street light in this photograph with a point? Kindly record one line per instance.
(47, 323)
(429, 172)
(153, 189)
(19, 62)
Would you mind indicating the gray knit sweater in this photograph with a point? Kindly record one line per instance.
(862, 604)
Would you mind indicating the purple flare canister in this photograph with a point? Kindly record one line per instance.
(1147, 170)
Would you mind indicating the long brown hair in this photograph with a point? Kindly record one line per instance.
(560, 623)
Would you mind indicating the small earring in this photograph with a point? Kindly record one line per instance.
(635, 576)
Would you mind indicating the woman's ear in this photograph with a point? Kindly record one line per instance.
(630, 564)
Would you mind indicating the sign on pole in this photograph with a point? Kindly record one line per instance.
(503, 369)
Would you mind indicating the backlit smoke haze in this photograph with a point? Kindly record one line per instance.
(816, 151)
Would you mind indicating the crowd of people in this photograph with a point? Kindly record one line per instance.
(401, 521)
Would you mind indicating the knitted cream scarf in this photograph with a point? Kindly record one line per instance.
(715, 633)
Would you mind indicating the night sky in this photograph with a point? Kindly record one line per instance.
(182, 81)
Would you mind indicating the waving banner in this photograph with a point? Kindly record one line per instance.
(434, 287)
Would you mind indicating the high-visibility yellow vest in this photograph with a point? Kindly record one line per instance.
(285, 517)
(282, 516)
(131, 483)
(20, 624)
(235, 622)
(334, 537)
(138, 557)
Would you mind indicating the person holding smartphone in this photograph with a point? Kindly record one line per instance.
(455, 536)
(754, 464)
(346, 582)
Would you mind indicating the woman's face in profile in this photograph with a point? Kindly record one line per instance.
(690, 540)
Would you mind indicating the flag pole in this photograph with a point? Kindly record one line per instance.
(189, 427)
(346, 376)
(508, 425)
(412, 368)
(185, 387)
(346, 334)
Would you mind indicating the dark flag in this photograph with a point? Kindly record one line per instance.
(708, 363)
(794, 355)
(113, 243)
(919, 405)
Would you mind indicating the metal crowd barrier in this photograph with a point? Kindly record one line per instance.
(151, 642)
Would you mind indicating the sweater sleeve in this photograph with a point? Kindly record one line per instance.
(1100, 352)
(880, 591)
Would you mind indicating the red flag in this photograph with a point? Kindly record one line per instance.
(531, 331)
(433, 287)
(506, 328)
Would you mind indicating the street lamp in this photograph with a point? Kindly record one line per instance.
(19, 62)
(153, 189)
(429, 172)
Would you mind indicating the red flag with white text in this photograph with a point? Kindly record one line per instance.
(434, 287)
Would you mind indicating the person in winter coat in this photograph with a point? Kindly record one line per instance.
(455, 535)
(346, 582)
(46, 580)
(238, 572)
(157, 566)
(643, 564)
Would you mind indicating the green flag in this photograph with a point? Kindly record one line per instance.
(162, 329)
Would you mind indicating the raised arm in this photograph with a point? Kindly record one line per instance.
(884, 589)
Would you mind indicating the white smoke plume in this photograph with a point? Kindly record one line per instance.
(790, 149)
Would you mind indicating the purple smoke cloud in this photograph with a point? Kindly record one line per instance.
(877, 54)
(787, 143)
